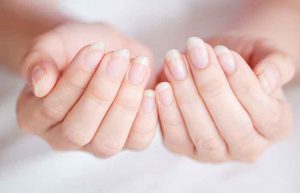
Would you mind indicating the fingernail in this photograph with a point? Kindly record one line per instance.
(94, 55)
(164, 93)
(98, 46)
(269, 78)
(115, 66)
(197, 52)
(37, 74)
(264, 83)
(176, 65)
(138, 70)
(122, 53)
(226, 59)
(148, 102)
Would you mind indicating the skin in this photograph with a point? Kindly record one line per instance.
(222, 114)
(70, 79)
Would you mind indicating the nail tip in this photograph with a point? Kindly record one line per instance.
(221, 49)
(143, 60)
(149, 93)
(122, 53)
(162, 86)
(173, 53)
(192, 41)
(98, 46)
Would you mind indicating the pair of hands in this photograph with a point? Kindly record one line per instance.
(215, 105)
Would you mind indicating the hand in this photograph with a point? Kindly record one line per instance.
(54, 50)
(98, 102)
(216, 108)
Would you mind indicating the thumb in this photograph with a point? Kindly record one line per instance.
(273, 67)
(42, 64)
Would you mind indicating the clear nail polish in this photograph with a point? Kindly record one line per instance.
(176, 65)
(138, 70)
(116, 65)
(197, 52)
(164, 93)
(225, 58)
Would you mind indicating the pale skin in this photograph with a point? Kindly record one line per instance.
(87, 84)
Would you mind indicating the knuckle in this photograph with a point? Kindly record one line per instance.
(209, 144)
(248, 150)
(105, 150)
(188, 101)
(271, 124)
(213, 89)
(75, 83)
(74, 138)
(245, 131)
(210, 150)
(50, 112)
(170, 122)
(100, 96)
(128, 104)
(178, 146)
(138, 133)
(244, 89)
(140, 140)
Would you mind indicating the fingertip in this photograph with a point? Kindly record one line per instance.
(269, 77)
(164, 93)
(43, 78)
(148, 102)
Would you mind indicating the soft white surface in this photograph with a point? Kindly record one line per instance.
(28, 165)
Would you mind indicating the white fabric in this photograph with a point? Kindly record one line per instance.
(27, 164)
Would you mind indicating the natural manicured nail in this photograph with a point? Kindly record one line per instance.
(94, 55)
(148, 102)
(226, 59)
(164, 93)
(115, 66)
(122, 53)
(36, 76)
(269, 78)
(98, 46)
(197, 52)
(138, 70)
(175, 64)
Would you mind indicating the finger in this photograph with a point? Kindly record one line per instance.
(274, 71)
(265, 111)
(145, 124)
(53, 108)
(41, 65)
(28, 112)
(83, 120)
(230, 117)
(174, 132)
(138, 49)
(205, 136)
(113, 131)
(41, 73)
(271, 64)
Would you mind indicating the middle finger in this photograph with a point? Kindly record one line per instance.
(228, 114)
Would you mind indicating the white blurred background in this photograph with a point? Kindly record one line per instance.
(27, 164)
